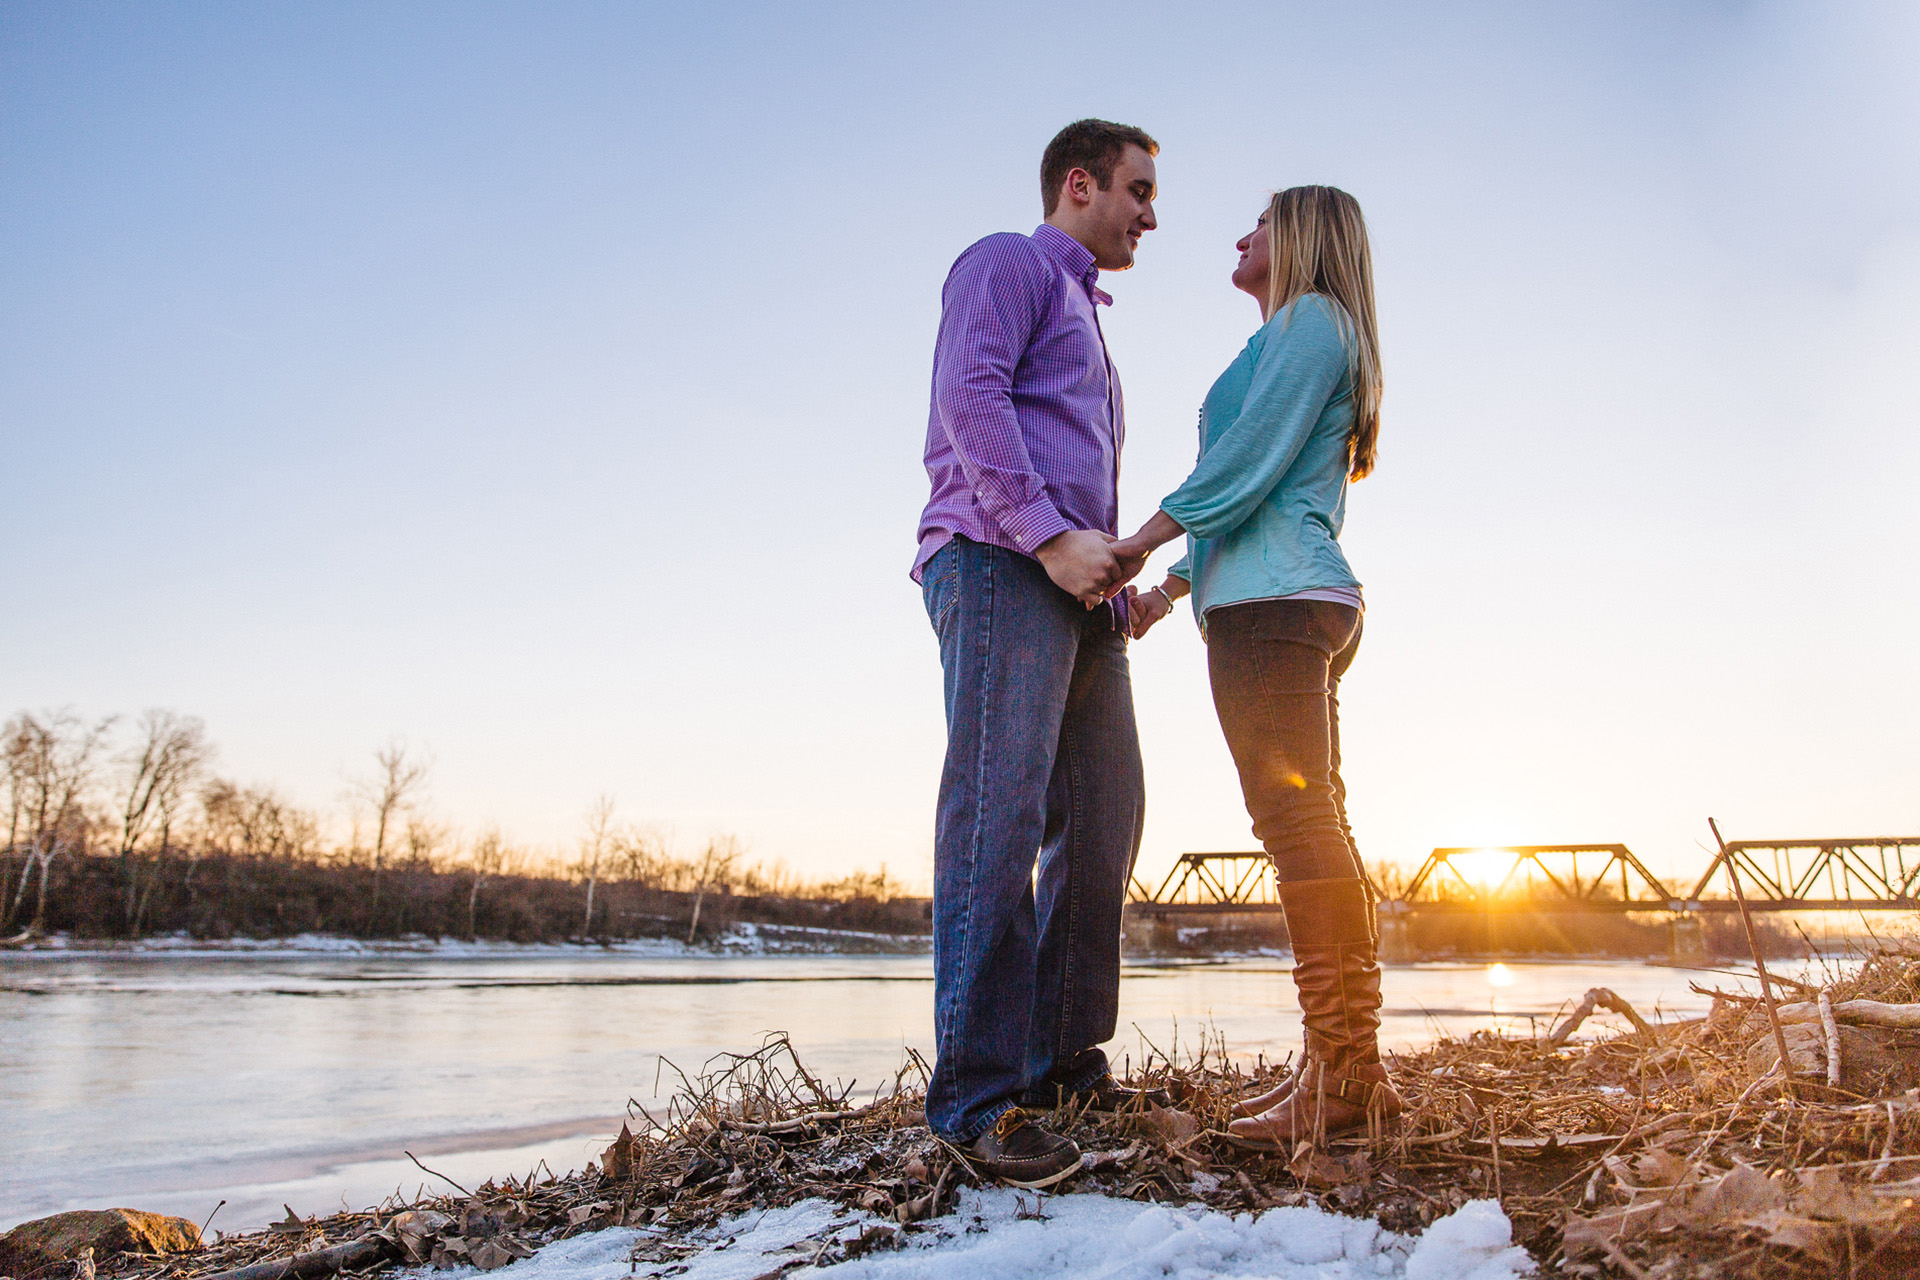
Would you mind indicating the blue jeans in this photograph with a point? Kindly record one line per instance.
(1043, 761)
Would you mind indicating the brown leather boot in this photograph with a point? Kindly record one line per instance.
(1344, 1085)
(1278, 1094)
(1273, 1097)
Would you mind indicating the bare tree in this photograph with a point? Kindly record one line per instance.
(255, 820)
(52, 757)
(640, 857)
(489, 857)
(596, 845)
(169, 758)
(715, 865)
(390, 791)
(424, 841)
(18, 742)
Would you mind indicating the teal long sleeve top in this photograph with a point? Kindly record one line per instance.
(1264, 505)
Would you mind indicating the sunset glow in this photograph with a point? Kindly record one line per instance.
(1485, 870)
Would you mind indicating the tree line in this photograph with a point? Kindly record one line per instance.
(125, 830)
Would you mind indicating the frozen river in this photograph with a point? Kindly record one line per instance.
(172, 1081)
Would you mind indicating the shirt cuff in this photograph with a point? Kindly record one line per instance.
(1033, 524)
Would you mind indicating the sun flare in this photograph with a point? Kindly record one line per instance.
(1483, 869)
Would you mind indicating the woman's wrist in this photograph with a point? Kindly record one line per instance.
(1159, 529)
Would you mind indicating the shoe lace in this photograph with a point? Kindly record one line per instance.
(1011, 1121)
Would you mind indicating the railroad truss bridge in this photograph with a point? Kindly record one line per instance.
(1873, 873)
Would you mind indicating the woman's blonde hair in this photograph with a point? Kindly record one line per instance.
(1317, 243)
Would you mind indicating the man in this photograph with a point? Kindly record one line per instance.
(1023, 449)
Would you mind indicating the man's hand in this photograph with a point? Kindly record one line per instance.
(1081, 564)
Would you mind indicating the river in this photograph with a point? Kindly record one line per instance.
(173, 1081)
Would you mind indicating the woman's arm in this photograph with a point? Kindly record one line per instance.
(1132, 551)
(1300, 366)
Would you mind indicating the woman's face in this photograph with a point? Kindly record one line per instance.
(1250, 276)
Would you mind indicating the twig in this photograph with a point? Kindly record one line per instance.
(788, 1126)
(1493, 1128)
(217, 1208)
(1832, 1034)
(1759, 964)
(436, 1173)
(1625, 1263)
(1886, 1152)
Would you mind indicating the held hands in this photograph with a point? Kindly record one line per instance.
(1082, 564)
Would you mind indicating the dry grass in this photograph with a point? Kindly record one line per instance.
(1670, 1152)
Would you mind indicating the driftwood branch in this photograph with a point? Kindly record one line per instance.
(351, 1256)
(1597, 998)
(1868, 1013)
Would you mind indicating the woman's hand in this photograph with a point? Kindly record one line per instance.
(1132, 551)
(1132, 555)
(1144, 608)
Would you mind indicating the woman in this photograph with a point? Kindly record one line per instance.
(1291, 421)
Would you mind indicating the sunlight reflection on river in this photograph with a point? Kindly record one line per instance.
(171, 1082)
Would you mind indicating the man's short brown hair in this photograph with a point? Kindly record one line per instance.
(1093, 145)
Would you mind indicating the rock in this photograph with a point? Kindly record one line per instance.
(1874, 1062)
(36, 1244)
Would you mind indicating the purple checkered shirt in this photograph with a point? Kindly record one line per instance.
(1024, 436)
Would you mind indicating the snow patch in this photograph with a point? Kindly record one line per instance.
(1014, 1235)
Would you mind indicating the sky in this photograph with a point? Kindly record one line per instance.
(545, 386)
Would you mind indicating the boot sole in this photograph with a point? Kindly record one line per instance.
(1048, 1181)
(1035, 1184)
(1354, 1137)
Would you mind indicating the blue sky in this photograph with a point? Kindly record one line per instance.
(546, 384)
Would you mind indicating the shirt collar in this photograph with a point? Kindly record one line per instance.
(1075, 258)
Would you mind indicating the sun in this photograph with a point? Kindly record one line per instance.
(1483, 869)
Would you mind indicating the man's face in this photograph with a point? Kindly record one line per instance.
(1118, 216)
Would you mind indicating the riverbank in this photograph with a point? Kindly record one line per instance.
(174, 1081)
(1674, 1147)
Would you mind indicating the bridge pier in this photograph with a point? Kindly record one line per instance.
(1396, 940)
(1686, 939)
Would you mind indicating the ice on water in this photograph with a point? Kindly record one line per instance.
(1019, 1236)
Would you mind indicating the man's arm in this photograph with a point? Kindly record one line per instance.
(989, 309)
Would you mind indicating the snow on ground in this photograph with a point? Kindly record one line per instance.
(1011, 1235)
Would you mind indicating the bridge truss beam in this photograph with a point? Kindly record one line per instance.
(1879, 873)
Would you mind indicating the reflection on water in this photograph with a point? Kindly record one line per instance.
(172, 1082)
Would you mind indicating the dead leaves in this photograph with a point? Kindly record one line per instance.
(1169, 1127)
(416, 1230)
(622, 1158)
(292, 1225)
(1318, 1167)
(1811, 1212)
(483, 1236)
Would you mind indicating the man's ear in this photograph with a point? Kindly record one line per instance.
(1079, 187)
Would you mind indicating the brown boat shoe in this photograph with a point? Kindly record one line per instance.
(1020, 1153)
